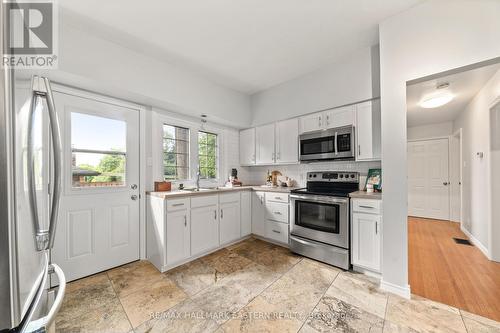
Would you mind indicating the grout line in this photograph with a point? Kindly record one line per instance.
(120, 301)
(316, 305)
(463, 321)
(385, 312)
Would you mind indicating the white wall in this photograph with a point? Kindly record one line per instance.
(430, 131)
(94, 63)
(475, 124)
(435, 36)
(495, 176)
(352, 80)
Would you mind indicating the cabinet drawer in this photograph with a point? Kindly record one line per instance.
(177, 204)
(277, 211)
(229, 197)
(277, 231)
(209, 200)
(276, 197)
(367, 206)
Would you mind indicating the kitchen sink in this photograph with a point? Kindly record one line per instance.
(201, 189)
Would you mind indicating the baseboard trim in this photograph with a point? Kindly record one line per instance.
(404, 292)
(476, 242)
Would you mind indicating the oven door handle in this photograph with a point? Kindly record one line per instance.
(316, 198)
(336, 144)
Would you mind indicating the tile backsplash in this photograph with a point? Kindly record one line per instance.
(257, 174)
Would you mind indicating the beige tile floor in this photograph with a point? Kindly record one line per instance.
(252, 286)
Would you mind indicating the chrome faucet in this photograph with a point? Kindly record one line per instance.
(198, 178)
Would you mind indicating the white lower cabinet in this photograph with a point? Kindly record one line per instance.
(204, 229)
(229, 222)
(258, 214)
(277, 231)
(246, 213)
(178, 236)
(366, 235)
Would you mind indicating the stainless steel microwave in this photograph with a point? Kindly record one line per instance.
(330, 144)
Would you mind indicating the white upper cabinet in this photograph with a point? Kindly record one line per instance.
(338, 117)
(287, 141)
(247, 146)
(265, 144)
(311, 122)
(368, 138)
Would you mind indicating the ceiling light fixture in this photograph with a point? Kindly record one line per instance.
(438, 98)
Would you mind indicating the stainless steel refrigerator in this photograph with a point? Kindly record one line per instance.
(30, 187)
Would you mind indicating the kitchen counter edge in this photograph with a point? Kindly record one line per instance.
(365, 195)
(181, 194)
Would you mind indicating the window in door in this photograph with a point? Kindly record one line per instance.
(98, 151)
(207, 155)
(175, 152)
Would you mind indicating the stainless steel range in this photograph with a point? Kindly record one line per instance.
(319, 217)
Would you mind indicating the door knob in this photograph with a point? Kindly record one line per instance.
(445, 183)
(133, 186)
(133, 197)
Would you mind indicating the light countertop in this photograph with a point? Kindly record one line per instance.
(365, 195)
(187, 193)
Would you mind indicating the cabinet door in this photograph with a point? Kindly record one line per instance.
(247, 146)
(178, 236)
(258, 214)
(265, 144)
(229, 222)
(311, 122)
(204, 229)
(368, 131)
(287, 141)
(246, 213)
(339, 117)
(366, 241)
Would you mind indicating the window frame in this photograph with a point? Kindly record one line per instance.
(161, 117)
(163, 152)
(217, 153)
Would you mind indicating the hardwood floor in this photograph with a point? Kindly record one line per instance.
(450, 273)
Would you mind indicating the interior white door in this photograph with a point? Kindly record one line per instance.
(98, 225)
(455, 179)
(428, 179)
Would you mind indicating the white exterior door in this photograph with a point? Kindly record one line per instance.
(98, 226)
(428, 180)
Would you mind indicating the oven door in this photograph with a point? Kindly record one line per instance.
(320, 218)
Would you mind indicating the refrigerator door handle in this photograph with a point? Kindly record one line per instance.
(44, 239)
(57, 151)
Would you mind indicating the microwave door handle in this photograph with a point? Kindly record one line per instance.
(335, 143)
(57, 152)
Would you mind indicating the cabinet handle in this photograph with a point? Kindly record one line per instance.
(276, 231)
(327, 120)
(185, 221)
(215, 214)
(319, 121)
(221, 213)
(177, 205)
(278, 156)
(359, 150)
(369, 207)
(376, 228)
(277, 213)
(277, 198)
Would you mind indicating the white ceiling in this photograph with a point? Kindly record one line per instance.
(247, 45)
(464, 85)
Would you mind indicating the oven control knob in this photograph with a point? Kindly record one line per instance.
(314, 175)
(352, 176)
(310, 176)
(341, 176)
